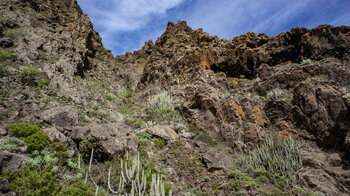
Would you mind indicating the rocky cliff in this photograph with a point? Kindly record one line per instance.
(253, 115)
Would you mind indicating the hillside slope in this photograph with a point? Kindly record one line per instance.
(253, 115)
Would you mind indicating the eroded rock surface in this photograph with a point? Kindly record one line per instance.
(108, 140)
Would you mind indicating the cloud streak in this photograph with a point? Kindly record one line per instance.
(125, 25)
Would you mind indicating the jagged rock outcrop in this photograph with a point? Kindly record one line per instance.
(239, 90)
(57, 37)
(108, 140)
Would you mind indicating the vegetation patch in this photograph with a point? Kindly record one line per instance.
(22, 129)
(136, 179)
(274, 162)
(160, 107)
(29, 75)
(12, 144)
(34, 137)
(277, 94)
(7, 55)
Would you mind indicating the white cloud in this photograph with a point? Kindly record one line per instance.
(115, 17)
(126, 15)
(233, 17)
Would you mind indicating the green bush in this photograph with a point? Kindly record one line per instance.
(3, 68)
(144, 137)
(5, 55)
(78, 189)
(35, 138)
(59, 150)
(22, 129)
(42, 82)
(29, 75)
(37, 141)
(277, 156)
(160, 107)
(275, 161)
(35, 180)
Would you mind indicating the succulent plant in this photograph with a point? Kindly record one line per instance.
(134, 180)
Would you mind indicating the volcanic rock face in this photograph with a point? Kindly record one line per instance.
(239, 90)
(223, 96)
(208, 66)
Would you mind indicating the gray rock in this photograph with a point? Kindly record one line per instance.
(319, 181)
(11, 193)
(217, 160)
(61, 116)
(165, 132)
(6, 43)
(4, 185)
(113, 140)
(55, 135)
(11, 162)
(187, 135)
(334, 159)
(313, 159)
(3, 131)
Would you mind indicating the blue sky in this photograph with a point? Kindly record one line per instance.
(125, 25)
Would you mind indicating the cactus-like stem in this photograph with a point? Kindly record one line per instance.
(133, 179)
(109, 183)
(96, 193)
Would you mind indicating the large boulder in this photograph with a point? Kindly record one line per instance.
(108, 140)
(61, 116)
(217, 160)
(165, 132)
(11, 162)
(322, 111)
(55, 135)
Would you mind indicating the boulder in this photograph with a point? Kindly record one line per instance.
(11, 193)
(217, 160)
(4, 185)
(165, 132)
(6, 43)
(11, 162)
(320, 182)
(109, 140)
(55, 135)
(61, 116)
(335, 159)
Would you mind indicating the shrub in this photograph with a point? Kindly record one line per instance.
(160, 108)
(12, 144)
(38, 177)
(40, 182)
(78, 188)
(37, 141)
(277, 156)
(135, 179)
(35, 138)
(42, 82)
(275, 161)
(276, 94)
(29, 75)
(5, 55)
(306, 61)
(3, 68)
(22, 129)
(144, 137)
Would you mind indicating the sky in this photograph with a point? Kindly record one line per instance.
(125, 25)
